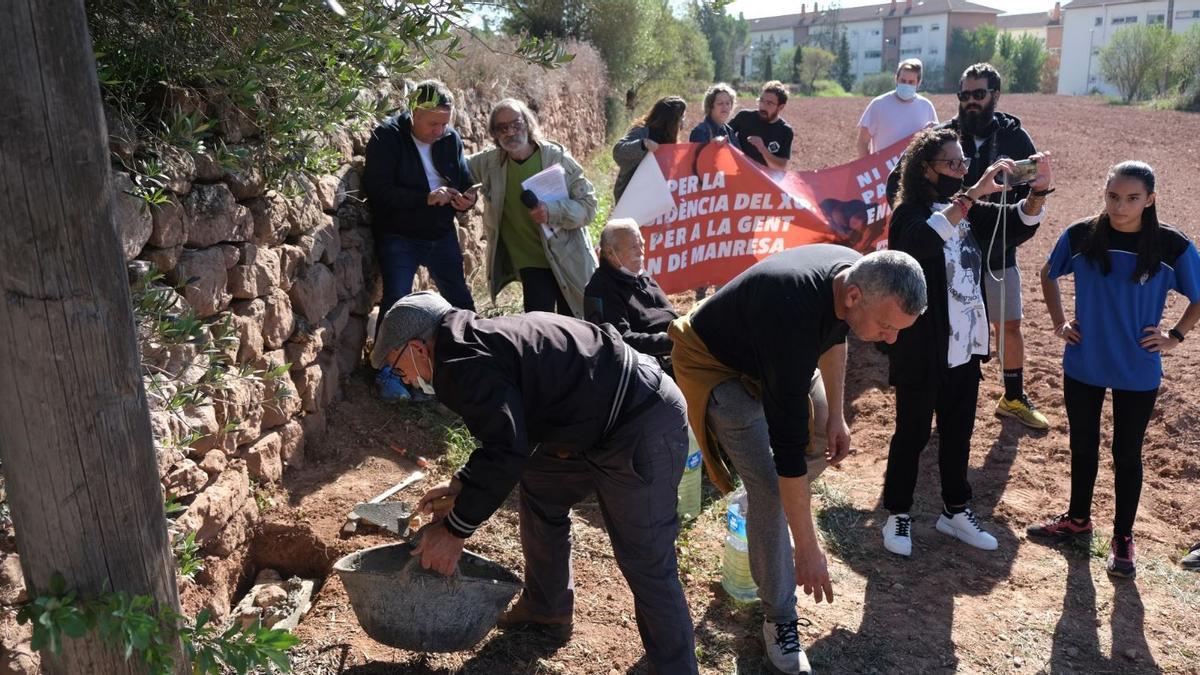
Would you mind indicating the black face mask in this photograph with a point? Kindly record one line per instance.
(946, 187)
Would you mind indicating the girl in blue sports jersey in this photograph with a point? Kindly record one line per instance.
(1124, 262)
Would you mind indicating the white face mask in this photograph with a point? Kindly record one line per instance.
(906, 92)
(422, 384)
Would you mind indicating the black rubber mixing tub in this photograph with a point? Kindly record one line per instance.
(402, 605)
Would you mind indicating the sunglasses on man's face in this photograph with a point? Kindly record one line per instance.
(513, 127)
(977, 94)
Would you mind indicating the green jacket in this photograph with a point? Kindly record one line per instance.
(570, 251)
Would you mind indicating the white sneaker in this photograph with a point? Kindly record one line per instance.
(782, 641)
(965, 527)
(897, 534)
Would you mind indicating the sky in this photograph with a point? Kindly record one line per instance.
(754, 9)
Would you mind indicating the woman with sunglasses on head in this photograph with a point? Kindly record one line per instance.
(661, 125)
(934, 365)
(1124, 262)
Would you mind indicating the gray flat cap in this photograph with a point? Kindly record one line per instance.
(413, 316)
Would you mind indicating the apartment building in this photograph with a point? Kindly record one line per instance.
(1045, 26)
(879, 35)
(1088, 25)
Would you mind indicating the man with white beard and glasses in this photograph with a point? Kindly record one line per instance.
(531, 238)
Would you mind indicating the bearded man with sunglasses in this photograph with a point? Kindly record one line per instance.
(987, 135)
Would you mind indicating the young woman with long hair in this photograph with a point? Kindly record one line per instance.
(1125, 263)
(661, 125)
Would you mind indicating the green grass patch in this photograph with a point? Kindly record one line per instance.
(836, 517)
(459, 444)
(829, 89)
(601, 170)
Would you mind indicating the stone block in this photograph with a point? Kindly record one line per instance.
(306, 345)
(256, 272)
(214, 216)
(163, 259)
(349, 272)
(245, 183)
(270, 216)
(168, 223)
(131, 215)
(217, 504)
(262, 458)
(309, 385)
(184, 479)
(248, 320)
(279, 322)
(239, 411)
(291, 259)
(208, 169)
(204, 277)
(350, 344)
(314, 293)
(291, 448)
(214, 462)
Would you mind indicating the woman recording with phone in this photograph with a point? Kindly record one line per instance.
(934, 365)
(1125, 262)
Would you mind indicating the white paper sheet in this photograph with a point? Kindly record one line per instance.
(549, 184)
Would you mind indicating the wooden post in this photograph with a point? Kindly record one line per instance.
(74, 425)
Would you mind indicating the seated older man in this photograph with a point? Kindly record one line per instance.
(620, 293)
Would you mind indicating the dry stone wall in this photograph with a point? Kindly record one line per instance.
(293, 279)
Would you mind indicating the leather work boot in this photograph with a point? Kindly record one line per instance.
(520, 616)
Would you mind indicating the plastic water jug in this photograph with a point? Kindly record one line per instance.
(689, 485)
(735, 573)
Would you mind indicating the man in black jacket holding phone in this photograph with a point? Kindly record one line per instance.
(416, 179)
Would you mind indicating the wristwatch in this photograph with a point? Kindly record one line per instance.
(1176, 334)
(1041, 193)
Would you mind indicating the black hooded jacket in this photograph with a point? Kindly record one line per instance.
(396, 185)
(1005, 138)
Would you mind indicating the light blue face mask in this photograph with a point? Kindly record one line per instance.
(906, 92)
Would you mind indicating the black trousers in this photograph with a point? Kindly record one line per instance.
(634, 474)
(953, 397)
(1131, 414)
(541, 292)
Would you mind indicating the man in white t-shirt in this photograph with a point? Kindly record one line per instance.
(896, 115)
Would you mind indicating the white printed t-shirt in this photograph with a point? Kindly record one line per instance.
(888, 119)
(964, 270)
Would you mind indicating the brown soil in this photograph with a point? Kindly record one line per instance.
(1026, 608)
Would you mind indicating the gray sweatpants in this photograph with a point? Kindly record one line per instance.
(736, 419)
(635, 474)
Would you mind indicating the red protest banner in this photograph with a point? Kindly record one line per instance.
(727, 212)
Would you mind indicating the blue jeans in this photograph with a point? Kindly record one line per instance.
(399, 257)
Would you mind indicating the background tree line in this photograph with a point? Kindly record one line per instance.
(1151, 62)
